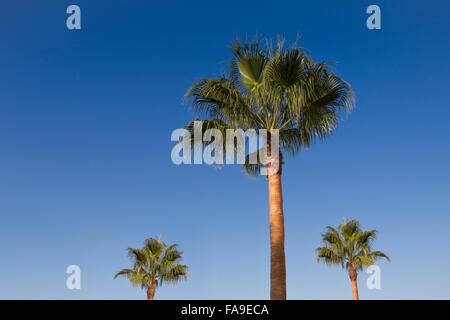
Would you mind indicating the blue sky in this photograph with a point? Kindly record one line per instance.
(85, 168)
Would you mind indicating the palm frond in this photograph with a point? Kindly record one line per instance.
(378, 254)
(329, 257)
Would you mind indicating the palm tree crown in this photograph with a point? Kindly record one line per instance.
(153, 265)
(349, 247)
(271, 87)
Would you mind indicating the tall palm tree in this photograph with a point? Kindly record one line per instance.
(268, 86)
(153, 265)
(351, 247)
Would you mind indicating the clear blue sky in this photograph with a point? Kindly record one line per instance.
(85, 168)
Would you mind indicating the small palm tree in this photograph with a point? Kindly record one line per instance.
(351, 247)
(153, 265)
(280, 90)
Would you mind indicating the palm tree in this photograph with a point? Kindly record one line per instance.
(351, 247)
(153, 265)
(276, 89)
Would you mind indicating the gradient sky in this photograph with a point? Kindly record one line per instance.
(85, 168)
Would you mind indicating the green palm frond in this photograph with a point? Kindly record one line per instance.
(349, 230)
(329, 256)
(378, 254)
(219, 98)
(251, 61)
(174, 274)
(286, 68)
(332, 239)
(291, 140)
(124, 272)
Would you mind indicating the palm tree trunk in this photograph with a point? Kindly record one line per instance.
(277, 256)
(151, 290)
(353, 277)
